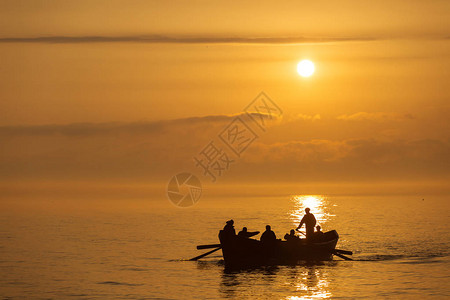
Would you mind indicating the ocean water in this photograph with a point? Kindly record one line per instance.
(138, 249)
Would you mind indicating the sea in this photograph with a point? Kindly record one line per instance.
(140, 248)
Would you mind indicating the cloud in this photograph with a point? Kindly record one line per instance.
(307, 117)
(109, 150)
(376, 117)
(349, 159)
(153, 151)
(160, 39)
(299, 151)
(163, 39)
(88, 129)
(370, 151)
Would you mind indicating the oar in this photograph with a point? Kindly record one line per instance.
(344, 251)
(340, 255)
(205, 254)
(200, 247)
(301, 232)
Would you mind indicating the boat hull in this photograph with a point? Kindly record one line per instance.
(241, 252)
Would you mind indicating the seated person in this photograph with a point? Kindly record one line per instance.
(229, 229)
(243, 232)
(291, 236)
(318, 235)
(246, 234)
(268, 236)
(318, 230)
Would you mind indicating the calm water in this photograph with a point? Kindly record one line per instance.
(401, 247)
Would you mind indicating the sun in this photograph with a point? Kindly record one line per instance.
(305, 68)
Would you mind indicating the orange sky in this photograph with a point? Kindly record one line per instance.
(140, 72)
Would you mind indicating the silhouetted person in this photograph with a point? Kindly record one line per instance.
(244, 233)
(268, 236)
(310, 221)
(228, 229)
(291, 236)
(268, 240)
(318, 230)
(318, 235)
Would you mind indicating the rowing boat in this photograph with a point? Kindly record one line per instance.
(240, 252)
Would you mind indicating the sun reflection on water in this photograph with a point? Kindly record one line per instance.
(311, 284)
(318, 205)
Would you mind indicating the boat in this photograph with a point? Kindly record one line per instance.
(240, 252)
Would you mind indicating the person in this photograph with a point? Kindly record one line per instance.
(291, 236)
(268, 236)
(228, 229)
(318, 230)
(310, 221)
(243, 232)
(318, 235)
(247, 234)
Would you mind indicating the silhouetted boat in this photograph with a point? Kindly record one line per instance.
(239, 252)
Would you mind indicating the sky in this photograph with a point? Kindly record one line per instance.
(132, 91)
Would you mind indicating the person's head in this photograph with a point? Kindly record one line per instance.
(268, 227)
(307, 210)
(292, 232)
(244, 229)
(318, 227)
(230, 222)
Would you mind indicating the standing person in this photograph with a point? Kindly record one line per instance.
(310, 221)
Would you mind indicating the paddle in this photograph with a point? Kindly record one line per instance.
(200, 247)
(248, 234)
(344, 251)
(298, 230)
(205, 254)
(340, 255)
